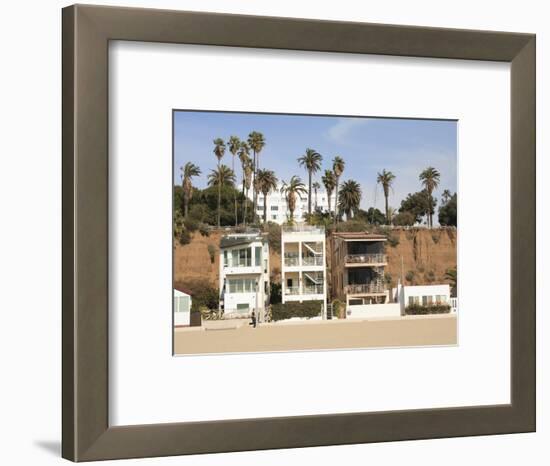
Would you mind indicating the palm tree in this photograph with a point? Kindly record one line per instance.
(256, 141)
(234, 146)
(294, 188)
(316, 187)
(221, 176)
(329, 181)
(338, 165)
(247, 180)
(349, 198)
(188, 171)
(430, 180)
(267, 182)
(244, 158)
(386, 179)
(219, 151)
(311, 160)
(446, 196)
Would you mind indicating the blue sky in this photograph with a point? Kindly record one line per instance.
(368, 145)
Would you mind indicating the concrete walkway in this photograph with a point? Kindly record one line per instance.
(406, 331)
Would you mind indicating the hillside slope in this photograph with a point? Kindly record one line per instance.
(425, 254)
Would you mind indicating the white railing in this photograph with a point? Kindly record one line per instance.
(365, 288)
(292, 260)
(312, 260)
(292, 290)
(313, 289)
(303, 228)
(454, 304)
(365, 259)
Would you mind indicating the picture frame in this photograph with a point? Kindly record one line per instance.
(86, 433)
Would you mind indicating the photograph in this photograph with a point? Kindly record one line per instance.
(312, 232)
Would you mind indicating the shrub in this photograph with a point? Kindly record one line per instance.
(204, 230)
(435, 237)
(273, 231)
(339, 309)
(212, 252)
(410, 275)
(430, 276)
(387, 277)
(275, 293)
(306, 309)
(393, 240)
(419, 309)
(203, 294)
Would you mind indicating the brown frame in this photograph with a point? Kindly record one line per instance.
(86, 33)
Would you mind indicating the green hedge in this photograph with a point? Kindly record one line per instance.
(294, 309)
(419, 309)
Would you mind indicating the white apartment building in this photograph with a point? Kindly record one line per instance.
(277, 210)
(244, 275)
(303, 264)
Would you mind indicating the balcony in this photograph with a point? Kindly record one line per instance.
(312, 260)
(365, 259)
(292, 259)
(367, 288)
(298, 228)
(292, 290)
(305, 290)
(313, 289)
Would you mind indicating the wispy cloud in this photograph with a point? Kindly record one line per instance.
(341, 131)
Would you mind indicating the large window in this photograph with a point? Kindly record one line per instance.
(258, 256)
(241, 285)
(274, 207)
(238, 258)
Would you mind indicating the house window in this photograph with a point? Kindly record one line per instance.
(243, 307)
(430, 300)
(260, 208)
(274, 207)
(258, 256)
(242, 285)
(225, 259)
(273, 217)
(355, 302)
(424, 300)
(411, 300)
(439, 299)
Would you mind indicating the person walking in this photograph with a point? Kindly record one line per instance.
(253, 318)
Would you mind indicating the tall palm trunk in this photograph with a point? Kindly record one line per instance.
(336, 202)
(309, 194)
(265, 207)
(219, 193)
(185, 204)
(234, 190)
(254, 192)
(245, 207)
(387, 211)
(329, 195)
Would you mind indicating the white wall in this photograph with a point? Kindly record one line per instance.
(31, 193)
(373, 310)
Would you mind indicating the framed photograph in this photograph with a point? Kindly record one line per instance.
(283, 233)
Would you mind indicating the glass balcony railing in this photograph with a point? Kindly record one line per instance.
(365, 288)
(312, 260)
(365, 259)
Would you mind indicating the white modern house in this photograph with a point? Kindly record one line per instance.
(303, 264)
(424, 295)
(244, 275)
(182, 308)
(277, 210)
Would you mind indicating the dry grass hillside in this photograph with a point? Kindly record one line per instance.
(426, 256)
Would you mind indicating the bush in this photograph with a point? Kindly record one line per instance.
(393, 240)
(430, 276)
(419, 309)
(273, 231)
(212, 253)
(203, 294)
(410, 275)
(275, 293)
(339, 309)
(306, 309)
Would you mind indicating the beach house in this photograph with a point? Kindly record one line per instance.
(244, 275)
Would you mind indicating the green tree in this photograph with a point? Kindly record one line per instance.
(311, 160)
(349, 198)
(373, 216)
(256, 142)
(188, 172)
(234, 146)
(338, 166)
(418, 204)
(294, 188)
(452, 277)
(219, 151)
(267, 182)
(329, 182)
(386, 179)
(430, 180)
(448, 212)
